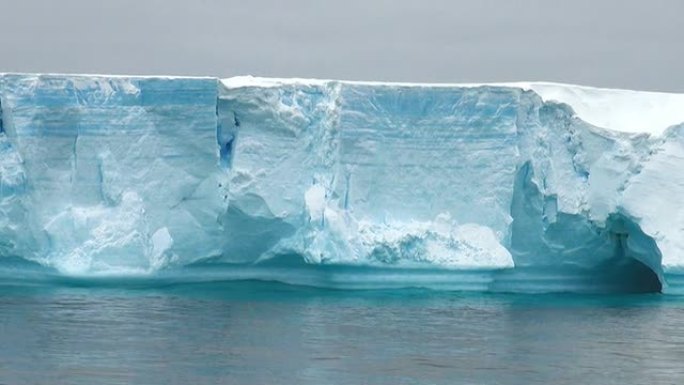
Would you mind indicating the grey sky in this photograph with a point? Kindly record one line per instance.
(628, 44)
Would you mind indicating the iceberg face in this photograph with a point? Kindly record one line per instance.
(102, 164)
(507, 187)
(365, 171)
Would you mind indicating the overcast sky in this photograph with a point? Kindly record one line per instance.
(627, 44)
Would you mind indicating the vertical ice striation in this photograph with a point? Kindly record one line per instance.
(362, 174)
(112, 162)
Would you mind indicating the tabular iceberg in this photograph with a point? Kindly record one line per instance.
(507, 187)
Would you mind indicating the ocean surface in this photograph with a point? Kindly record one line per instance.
(252, 332)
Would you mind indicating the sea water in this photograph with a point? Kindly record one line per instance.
(252, 332)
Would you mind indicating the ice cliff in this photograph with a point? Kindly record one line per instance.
(510, 187)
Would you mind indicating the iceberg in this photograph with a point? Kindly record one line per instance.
(530, 187)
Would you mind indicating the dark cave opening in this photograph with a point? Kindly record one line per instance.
(643, 279)
(629, 276)
(556, 251)
(629, 270)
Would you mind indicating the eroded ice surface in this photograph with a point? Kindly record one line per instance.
(530, 184)
(112, 170)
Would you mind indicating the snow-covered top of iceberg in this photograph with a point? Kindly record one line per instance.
(615, 109)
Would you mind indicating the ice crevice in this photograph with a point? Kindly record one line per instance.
(501, 187)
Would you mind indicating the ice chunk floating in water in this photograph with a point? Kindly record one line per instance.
(505, 187)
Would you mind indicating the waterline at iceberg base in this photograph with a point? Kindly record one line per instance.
(518, 187)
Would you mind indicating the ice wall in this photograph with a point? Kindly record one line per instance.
(136, 175)
(117, 170)
(475, 177)
(367, 174)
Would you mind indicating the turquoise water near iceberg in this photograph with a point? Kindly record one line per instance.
(253, 332)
